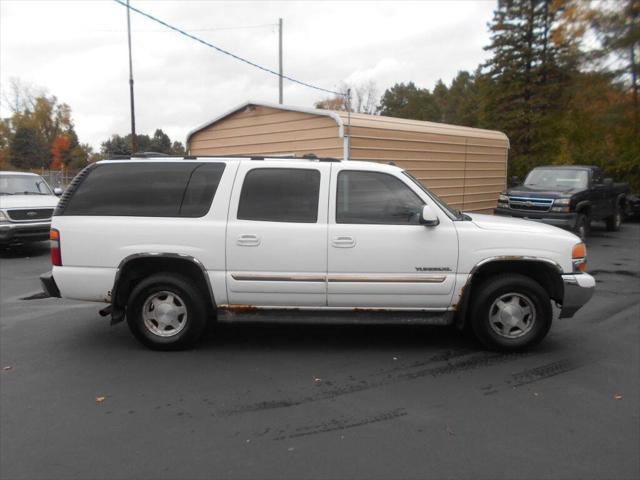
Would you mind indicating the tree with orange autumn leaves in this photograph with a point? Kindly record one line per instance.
(40, 133)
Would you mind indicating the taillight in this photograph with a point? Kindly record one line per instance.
(56, 254)
(579, 257)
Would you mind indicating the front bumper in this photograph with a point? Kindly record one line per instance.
(49, 285)
(562, 220)
(11, 232)
(578, 290)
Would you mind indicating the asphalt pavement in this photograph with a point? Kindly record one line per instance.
(82, 399)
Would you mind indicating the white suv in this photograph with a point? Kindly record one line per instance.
(174, 242)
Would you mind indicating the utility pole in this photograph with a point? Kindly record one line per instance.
(280, 61)
(348, 124)
(634, 86)
(133, 113)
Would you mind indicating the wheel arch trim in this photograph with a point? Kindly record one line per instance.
(514, 258)
(583, 205)
(118, 311)
(466, 290)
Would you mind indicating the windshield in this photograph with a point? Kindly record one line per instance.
(453, 213)
(23, 185)
(557, 179)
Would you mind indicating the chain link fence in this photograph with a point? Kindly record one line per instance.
(57, 178)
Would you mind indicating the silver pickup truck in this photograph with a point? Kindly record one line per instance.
(26, 206)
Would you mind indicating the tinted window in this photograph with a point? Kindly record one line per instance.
(201, 189)
(280, 195)
(180, 189)
(376, 198)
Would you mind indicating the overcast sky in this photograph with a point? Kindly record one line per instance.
(77, 50)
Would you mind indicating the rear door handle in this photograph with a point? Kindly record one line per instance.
(248, 240)
(343, 241)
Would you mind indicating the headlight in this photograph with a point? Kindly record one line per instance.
(561, 205)
(503, 198)
(579, 257)
(3, 217)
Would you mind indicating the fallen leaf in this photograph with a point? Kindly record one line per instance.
(617, 396)
(7, 368)
(100, 399)
(317, 380)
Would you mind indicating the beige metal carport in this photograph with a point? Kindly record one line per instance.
(465, 166)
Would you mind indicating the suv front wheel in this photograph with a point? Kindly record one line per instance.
(166, 312)
(510, 312)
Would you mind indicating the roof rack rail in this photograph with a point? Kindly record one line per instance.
(313, 156)
(149, 155)
(306, 156)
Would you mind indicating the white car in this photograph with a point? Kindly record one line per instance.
(26, 205)
(171, 243)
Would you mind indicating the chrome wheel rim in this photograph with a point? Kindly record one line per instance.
(512, 315)
(164, 314)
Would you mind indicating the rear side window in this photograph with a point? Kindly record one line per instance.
(376, 198)
(171, 189)
(280, 195)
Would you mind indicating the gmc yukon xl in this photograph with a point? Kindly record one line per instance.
(173, 243)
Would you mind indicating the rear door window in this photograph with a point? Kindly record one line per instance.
(154, 189)
(280, 195)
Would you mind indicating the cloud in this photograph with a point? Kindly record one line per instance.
(78, 52)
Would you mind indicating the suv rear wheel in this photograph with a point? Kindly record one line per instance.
(510, 312)
(166, 312)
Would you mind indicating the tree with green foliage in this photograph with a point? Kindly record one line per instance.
(531, 66)
(618, 30)
(408, 101)
(27, 148)
(159, 143)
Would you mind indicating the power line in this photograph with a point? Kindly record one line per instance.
(221, 50)
(214, 29)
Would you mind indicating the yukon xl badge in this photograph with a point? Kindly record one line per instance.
(433, 269)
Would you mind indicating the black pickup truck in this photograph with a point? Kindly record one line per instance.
(566, 196)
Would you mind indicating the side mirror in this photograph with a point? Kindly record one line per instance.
(514, 181)
(57, 191)
(608, 182)
(428, 217)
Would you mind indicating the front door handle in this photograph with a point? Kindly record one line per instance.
(248, 240)
(343, 241)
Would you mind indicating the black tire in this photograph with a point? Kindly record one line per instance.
(583, 226)
(173, 291)
(627, 213)
(528, 295)
(614, 221)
